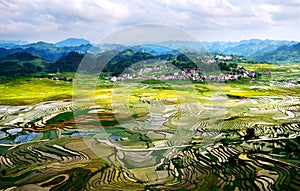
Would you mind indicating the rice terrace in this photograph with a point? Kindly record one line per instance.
(145, 110)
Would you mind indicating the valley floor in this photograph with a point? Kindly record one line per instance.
(238, 135)
(247, 143)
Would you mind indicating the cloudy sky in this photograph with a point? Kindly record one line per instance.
(207, 20)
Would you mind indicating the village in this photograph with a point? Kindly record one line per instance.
(194, 74)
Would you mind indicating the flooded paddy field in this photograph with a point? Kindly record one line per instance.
(152, 144)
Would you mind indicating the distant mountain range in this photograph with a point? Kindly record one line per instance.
(72, 42)
(246, 47)
(48, 51)
(11, 43)
(283, 54)
(27, 64)
(272, 51)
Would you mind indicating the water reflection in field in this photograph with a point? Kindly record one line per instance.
(136, 147)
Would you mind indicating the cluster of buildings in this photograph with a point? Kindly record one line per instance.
(194, 74)
(59, 78)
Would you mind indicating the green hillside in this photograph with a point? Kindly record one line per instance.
(284, 54)
(21, 64)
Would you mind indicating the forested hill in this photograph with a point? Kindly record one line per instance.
(68, 63)
(20, 64)
(23, 63)
(271, 51)
(48, 51)
(248, 48)
(284, 54)
(41, 58)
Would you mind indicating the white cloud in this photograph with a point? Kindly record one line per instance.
(93, 19)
